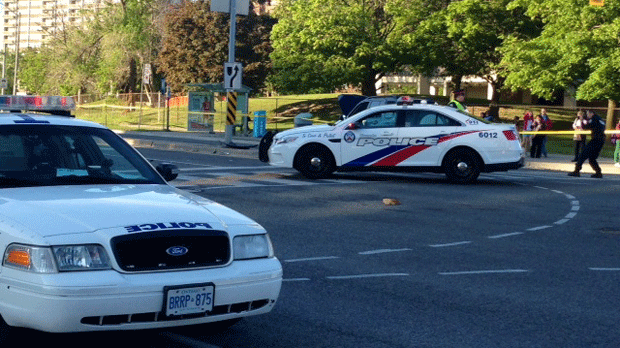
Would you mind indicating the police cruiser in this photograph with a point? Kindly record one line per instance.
(93, 237)
(405, 136)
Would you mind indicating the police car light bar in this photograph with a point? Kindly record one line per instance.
(404, 101)
(49, 104)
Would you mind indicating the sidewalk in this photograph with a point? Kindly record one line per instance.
(247, 147)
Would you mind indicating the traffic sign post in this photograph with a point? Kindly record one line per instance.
(232, 69)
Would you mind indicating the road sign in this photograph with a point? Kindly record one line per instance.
(232, 75)
(4, 84)
(242, 7)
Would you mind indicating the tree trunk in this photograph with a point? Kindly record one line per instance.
(611, 107)
(495, 98)
(368, 85)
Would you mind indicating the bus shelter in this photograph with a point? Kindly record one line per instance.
(202, 101)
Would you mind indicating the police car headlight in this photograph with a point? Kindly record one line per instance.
(286, 140)
(252, 247)
(81, 257)
(57, 258)
(29, 258)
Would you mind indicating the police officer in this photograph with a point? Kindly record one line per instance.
(457, 101)
(594, 146)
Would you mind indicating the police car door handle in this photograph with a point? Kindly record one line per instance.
(387, 134)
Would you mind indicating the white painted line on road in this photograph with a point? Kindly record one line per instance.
(538, 228)
(485, 272)
(605, 269)
(187, 341)
(569, 196)
(540, 187)
(381, 251)
(377, 275)
(560, 222)
(505, 235)
(296, 280)
(574, 202)
(570, 215)
(448, 244)
(575, 208)
(556, 191)
(320, 258)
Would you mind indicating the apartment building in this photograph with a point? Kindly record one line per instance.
(32, 22)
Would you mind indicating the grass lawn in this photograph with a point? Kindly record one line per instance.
(281, 111)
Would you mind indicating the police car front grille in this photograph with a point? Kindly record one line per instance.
(176, 249)
(152, 317)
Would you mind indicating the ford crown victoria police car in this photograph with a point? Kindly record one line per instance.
(405, 136)
(93, 238)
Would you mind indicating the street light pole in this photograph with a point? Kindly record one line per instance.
(4, 67)
(16, 53)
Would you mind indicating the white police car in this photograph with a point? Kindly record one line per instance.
(405, 136)
(93, 238)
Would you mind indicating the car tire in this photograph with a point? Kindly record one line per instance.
(263, 147)
(315, 162)
(462, 166)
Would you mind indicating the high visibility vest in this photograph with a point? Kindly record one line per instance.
(456, 104)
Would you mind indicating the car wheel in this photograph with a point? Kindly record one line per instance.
(314, 162)
(462, 166)
(263, 147)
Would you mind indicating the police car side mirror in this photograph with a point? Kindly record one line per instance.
(168, 171)
(352, 126)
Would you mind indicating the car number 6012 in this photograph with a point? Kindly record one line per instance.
(487, 135)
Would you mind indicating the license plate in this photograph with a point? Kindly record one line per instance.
(190, 299)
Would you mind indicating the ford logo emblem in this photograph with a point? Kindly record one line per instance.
(177, 251)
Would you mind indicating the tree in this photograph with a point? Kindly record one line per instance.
(578, 47)
(104, 53)
(195, 45)
(463, 38)
(323, 45)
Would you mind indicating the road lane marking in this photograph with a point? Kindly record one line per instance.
(570, 215)
(538, 228)
(485, 272)
(296, 280)
(505, 235)
(376, 275)
(605, 269)
(319, 258)
(560, 222)
(382, 251)
(448, 244)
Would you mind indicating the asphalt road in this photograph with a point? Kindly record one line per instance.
(519, 259)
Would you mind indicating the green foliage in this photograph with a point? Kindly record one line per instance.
(578, 47)
(195, 46)
(462, 38)
(323, 45)
(101, 55)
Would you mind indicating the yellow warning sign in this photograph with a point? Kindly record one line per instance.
(231, 108)
(597, 2)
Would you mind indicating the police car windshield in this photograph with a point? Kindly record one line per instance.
(44, 155)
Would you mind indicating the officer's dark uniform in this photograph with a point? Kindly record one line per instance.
(593, 148)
